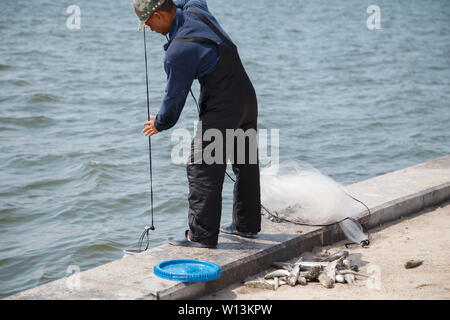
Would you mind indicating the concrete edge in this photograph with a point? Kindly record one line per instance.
(404, 206)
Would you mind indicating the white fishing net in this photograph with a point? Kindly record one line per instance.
(299, 193)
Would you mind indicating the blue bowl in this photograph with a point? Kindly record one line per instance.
(187, 270)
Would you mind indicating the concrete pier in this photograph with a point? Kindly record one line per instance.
(389, 197)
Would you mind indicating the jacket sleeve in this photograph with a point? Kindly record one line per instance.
(180, 76)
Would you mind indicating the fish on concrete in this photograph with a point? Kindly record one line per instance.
(293, 276)
(340, 278)
(336, 256)
(282, 265)
(346, 263)
(349, 278)
(308, 268)
(331, 270)
(302, 281)
(311, 265)
(311, 274)
(304, 264)
(276, 283)
(277, 273)
(325, 280)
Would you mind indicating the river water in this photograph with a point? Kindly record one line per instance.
(353, 102)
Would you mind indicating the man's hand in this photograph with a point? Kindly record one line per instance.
(150, 129)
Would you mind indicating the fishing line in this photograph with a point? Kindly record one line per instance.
(145, 234)
(152, 227)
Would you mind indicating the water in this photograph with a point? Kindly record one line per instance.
(352, 102)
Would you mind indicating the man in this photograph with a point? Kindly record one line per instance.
(198, 48)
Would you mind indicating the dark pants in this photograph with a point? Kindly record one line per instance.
(205, 191)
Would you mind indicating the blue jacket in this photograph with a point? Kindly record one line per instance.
(186, 61)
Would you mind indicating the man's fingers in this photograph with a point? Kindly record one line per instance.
(146, 129)
(150, 129)
(150, 133)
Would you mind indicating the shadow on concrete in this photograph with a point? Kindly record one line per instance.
(280, 237)
(244, 243)
(356, 259)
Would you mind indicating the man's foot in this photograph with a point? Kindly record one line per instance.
(230, 229)
(186, 242)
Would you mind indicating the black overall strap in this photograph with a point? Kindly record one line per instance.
(208, 22)
(195, 39)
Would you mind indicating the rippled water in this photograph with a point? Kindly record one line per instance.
(352, 102)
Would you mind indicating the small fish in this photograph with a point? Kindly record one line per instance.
(307, 268)
(261, 284)
(413, 264)
(276, 284)
(293, 277)
(277, 273)
(336, 256)
(313, 263)
(282, 265)
(302, 281)
(331, 270)
(325, 280)
(349, 278)
(340, 278)
(311, 274)
(341, 267)
(346, 263)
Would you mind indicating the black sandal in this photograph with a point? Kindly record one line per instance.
(184, 242)
(230, 229)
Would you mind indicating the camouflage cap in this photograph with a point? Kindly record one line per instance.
(145, 8)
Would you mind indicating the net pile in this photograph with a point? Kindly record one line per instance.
(297, 192)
